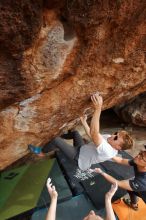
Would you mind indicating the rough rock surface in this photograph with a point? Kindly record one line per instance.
(55, 54)
(134, 111)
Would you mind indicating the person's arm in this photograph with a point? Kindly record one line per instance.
(51, 215)
(85, 125)
(108, 197)
(121, 183)
(94, 126)
(121, 161)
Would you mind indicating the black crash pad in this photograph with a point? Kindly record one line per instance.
(58, 180)
(73, 174)
(74, 209)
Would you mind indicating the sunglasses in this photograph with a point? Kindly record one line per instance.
(141, 154)
(116, 136)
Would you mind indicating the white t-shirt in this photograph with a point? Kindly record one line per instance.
(90, 154)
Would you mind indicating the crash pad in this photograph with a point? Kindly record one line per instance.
(20, 188)
(124, 212)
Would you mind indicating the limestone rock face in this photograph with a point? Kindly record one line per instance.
(134, 111)
(54, 55)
